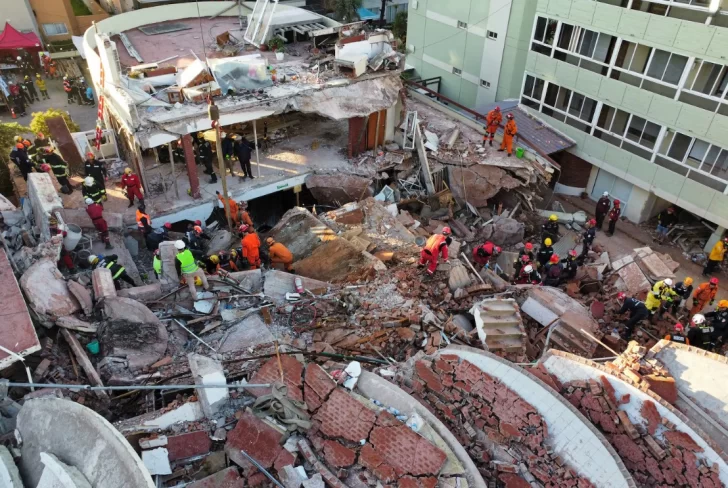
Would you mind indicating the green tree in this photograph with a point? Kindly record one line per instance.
(344, 10)
(399, 26)
(7, 134)
(39, 122)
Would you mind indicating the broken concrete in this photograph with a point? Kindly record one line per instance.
(168, 255)
(223, 240)
(338, 189)
(633, 279)
(500, 327)
(146, 293)
(82, 295)
(479, 183)
(654, 267)
(9, 474)
(48, 293)
(46, 425)
(103, 283)
(505, 231)
(246, 334)
(251, 280)
(206, 371)
(301, 232)
(278, 283)
(44, 200)
(334, 260)
(59, 475)
(71, 322)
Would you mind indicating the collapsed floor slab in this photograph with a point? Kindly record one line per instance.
(16, 327)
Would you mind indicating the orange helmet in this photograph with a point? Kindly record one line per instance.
(554, 258)
(197, 229)
(20, 145)
(26, 142)
(90, 155)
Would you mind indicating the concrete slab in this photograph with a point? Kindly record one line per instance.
(16, 327)
(46, 425)
(9, 474)
(499, 325)
(44, 199)
(80, 217)
(249, 332)
(207, 371)
(142, 293)
(278, 283)
(47, 292)
(167, 253)
(189, 412)
(633, 279)
(103, 284)
(654, 268)
(157, 461)
(60, 475)
(251, 280)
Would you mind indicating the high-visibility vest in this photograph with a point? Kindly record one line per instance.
(119, 269)
(187, 262)
(434, 242)
(139, 216)
(157, 264)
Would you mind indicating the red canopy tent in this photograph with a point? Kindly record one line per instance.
(11, 39)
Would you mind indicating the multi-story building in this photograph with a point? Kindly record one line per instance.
(477, 48)
(640, 86)
(50, 20)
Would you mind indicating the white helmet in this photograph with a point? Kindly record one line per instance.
(179, 245)
(605, 194)
(528, 268)
(668, 281)
(89, 181)
(92, 259)
(19, 58)
(698, 319)
(89, 201)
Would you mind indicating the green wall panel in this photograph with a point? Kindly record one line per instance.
(662, 30)
(566, 73)
(617, 157)
(559, 8)
(451, 51)
(468, 93)
(611, 91)
(642, 169)
(459, 9)
(595, 148)
(637, 100)
(531, 58)
(668, 181)
(588, 82)
(694, 120)
(478, 12)
(663, 110)
(473, 57)
(450, 84)
(546, 67)
(697, 194)
(606, 17)
(416, 33)
(718, 46)
(542, 5)
(719, 205)
(582, 11)
(633, 23)
(694, 37)
(718, 130)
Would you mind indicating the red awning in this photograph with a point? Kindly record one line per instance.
(10, 38)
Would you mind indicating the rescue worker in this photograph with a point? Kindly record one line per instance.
(155, 238)
(143, 220)
(68, 88)
(244, 215)
(227, 146)
(545, 252)
(519, 263)
(40, 140)
(96, 213)
(715, 258)
(186, 266)
(483, 253)
(637, 312)
(660, 292)
(194, 237)
(437, 244)
(212, 264)
(528, 275)
(59, 168)
(718, 320)
(25, 91)
(243, 150)
(603, 205)
(97, 170)
(19, 156)
(30, 86)
(683, 290)
(118, 272)
(204, 152)
(569, 266)
(65, 255)
(614, 216)
(665, 220)
(492, 122)
(552, 271)
(700, 332)
(133, 186)
(280, 256)
(92, 191)
(234, 260)
(251, 246)
(704, 295)
(508, 134)
(550, 230)
(587, 238)
(678, 335)
(157, 264)
(231, 207)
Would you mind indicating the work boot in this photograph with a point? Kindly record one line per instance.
(490, 143)
(500, 150)
(131, 204)
(213, 178)
(109, 246)
(509, 155)
(251, 177)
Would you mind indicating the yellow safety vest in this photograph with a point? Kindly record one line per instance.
(118, 272)
(157, 264)
(187, 262)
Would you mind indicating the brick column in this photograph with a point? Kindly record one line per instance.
(191, 166)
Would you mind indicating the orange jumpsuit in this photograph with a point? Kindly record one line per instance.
(492, 122)
(510, 131)
(251, 249)
(234, 212)
(279, 254)
(702, 295)
(245, 218)
(435, 245)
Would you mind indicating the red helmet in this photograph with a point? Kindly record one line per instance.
(243, 228)
(446, 231)
(497, 108)
(714, 281)
(197, 229)
(509, 116)
(621, 295)
(572, 253)
(40, 135)
(45, 168)
(90, 155)
(198, 222)
(593, 222)
(679, 327)
(20, 145)
(554, 258)
(168, 226)
(528, 246)
(525, 258)
(26, 143)
(616, 202)
(497, 249)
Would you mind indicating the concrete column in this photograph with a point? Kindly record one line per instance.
(168, 253)
(191, 166)
(714, 237)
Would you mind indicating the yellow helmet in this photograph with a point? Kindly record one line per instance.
(723, 304)
(688, 281)
(553, 218)
(215, 258)
(547, 241)
(233, 252)
(127, 171)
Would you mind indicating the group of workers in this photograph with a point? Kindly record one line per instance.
(492, 122)
(233, 147)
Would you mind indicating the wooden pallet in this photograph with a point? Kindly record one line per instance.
(69, 67)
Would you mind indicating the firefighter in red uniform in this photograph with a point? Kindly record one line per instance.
(96, 212)
(436, 244)
(483, 253)
(133, 186)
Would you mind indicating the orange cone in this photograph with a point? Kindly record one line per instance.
(12, 112)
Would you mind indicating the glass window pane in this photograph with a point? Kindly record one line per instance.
(587, 111)
(666, 141)
(550, 32)
(551, 93)
(565, 36)
(540, 29)
(538, 89)
(562, 100)
(636, 127)
(649, 135)
(658, 64)
(588, 43)
(528, 87)
(710, 157)
(679, 146)
(577, 102)
(675, 68)
(721, 165)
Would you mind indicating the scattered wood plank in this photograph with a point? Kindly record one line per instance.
(85, 363)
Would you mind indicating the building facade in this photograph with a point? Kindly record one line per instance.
(19, 14)
(641, 87)
(477, 47)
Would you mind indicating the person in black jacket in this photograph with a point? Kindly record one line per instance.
(665, 220)
(552, 271)
(545, 252)
(204, 153)
(587, 239)
(19, 156)
(59, 168)
(683, 290)
(550, 229)
(243, 149)
(603, 206)
(111, 262)
(96, 169)
(569, 266)
(228, 153)
(637, 312)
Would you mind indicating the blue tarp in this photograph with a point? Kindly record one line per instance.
(366, 14)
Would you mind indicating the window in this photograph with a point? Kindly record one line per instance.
(456, 71)
(545, 31)
(492, 35)
(642, 132)
(562, 104)
(485, 84)
(695, 153)
(462, 25)
(533, 87)
(57, 29)
(708, 78)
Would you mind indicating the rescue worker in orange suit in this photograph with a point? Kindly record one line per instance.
(678, 335)
(614, 216)
(244, 215)
(437, 244)
(704, 295)
(231, 206)
(509, 133)
(234, 261)
(143, 220)
(280, 256)
(492, 122)
(483, 253)
(95, 212)
(133, 186)
(251, 246)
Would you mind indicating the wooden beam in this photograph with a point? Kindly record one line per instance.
(83, 360)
